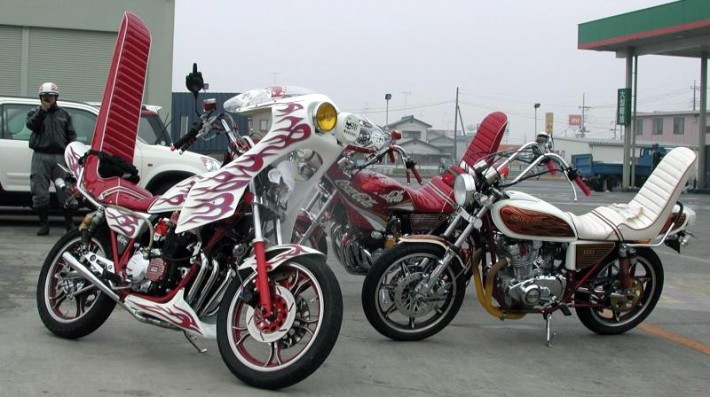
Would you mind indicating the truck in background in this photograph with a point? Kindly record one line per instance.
(605, 176)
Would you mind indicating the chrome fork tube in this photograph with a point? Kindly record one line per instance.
(315, 220)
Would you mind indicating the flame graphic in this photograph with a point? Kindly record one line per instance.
(181, 317)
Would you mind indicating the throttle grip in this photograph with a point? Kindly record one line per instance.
(551, 167)
(187, 138)
(415, 171)
(391, 156)
(582, 186)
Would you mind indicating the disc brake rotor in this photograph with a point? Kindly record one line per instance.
(630, 298)
(271, 329)
(407, 300)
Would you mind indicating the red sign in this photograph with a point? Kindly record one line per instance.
(575, 120)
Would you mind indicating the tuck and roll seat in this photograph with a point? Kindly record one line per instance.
(644, 217)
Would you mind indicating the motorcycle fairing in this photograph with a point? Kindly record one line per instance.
(277, 255)
(176, 311)
(125, 222)
(217, 194)
(174, 198)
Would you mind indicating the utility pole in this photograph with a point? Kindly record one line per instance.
(695, 89)
(583, 129)
(456, 119)
(406, 94)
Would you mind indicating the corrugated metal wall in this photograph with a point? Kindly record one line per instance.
(183, 115)
(76, 60)
(10, 60)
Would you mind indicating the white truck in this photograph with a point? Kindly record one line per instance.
(159, 167)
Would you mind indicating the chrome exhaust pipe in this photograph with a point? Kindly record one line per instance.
(87, 274)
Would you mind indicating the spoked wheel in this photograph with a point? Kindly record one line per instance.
(69, 305)
(394, 300)
(621, 309)
(285, 348)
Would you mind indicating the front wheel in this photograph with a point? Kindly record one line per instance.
(285, 348)
(69, 305)
(616, 309)
(395, 302)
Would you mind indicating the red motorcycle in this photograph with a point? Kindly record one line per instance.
(366, 211)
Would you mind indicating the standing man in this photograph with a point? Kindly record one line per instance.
(52, 131)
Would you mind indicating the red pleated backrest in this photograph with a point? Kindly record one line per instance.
(487, 138)
(119, 116)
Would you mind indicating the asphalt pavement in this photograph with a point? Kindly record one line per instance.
(476, 355)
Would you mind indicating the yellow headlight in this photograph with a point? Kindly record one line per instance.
(326, 117)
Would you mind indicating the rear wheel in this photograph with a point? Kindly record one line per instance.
(285, 348)
(69, 305)
(620, 310)
(391, 298)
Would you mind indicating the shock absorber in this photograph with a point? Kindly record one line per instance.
(627, 259)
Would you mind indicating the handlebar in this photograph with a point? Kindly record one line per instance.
(550, 159)
(186, 140)
(200, 129)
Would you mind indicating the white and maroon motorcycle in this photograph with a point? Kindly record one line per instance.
(527, 256)
(207, 257)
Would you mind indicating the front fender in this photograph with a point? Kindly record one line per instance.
(279, 254)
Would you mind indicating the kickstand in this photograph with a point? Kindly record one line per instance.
(191, 338)
(548, 333)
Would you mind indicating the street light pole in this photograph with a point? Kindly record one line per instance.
(387, 113)
(535, 106)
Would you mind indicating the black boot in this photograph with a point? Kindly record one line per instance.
(43, 221)
(68, 220)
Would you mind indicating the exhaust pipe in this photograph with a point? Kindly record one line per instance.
(87, 274)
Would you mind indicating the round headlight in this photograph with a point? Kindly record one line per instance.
(464, 187)
(326, 117)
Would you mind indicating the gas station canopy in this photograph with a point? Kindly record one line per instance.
(681, 28)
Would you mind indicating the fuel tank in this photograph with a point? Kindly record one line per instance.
(527, 217)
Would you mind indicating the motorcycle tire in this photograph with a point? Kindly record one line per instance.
(617, 316)
(273, 354)
(69, 305)
(384, 283)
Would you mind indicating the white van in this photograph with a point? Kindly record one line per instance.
(159, 167)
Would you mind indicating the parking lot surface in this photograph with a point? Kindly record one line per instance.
(476, 355)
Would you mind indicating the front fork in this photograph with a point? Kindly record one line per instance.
(262, 267)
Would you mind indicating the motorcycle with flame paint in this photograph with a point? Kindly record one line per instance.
(527, 256)
(206, 258)
(366, 212)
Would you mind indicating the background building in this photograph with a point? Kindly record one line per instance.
(70, 42)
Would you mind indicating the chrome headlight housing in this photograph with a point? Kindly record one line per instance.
(210, 163)
(464, 188)
(326, 117)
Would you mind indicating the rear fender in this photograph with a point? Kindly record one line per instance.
(277, 255)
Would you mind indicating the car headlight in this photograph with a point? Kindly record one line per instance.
(464, 188)
(326, 117)
(210, 163)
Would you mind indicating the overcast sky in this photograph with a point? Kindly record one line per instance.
(502, 54)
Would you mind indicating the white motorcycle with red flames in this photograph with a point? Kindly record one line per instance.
(207, 257)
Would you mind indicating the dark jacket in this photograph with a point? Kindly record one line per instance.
(52, 130)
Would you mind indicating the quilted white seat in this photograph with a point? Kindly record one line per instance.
(643, 217)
